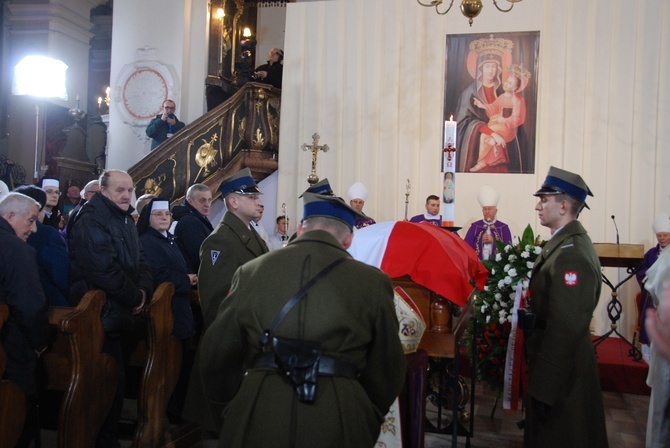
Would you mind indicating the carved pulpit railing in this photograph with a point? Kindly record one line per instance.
(241, 132)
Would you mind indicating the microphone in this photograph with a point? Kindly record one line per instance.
(617, 229)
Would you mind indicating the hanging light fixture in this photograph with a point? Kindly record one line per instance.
(469, 8)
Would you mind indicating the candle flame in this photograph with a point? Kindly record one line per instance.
(451, 117)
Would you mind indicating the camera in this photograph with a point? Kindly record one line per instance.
(171, 115)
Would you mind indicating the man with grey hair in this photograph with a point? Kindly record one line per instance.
(193, 224)
(106, 254)
(347, 316)
(26, 332)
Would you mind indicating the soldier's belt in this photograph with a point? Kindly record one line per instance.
(327, 365)
(528, 320)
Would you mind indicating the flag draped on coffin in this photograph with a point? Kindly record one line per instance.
(433, 257)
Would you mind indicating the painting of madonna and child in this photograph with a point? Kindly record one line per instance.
(491, 91)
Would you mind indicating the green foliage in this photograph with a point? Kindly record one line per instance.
(510, 269)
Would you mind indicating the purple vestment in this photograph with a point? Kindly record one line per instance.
(422, 218)
(499, 231)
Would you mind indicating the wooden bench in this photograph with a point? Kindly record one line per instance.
(12, 397)
(76, 365)
(161, 356)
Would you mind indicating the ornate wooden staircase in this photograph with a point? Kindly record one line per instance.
(241, 132)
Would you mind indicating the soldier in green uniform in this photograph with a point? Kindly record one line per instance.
(349, 311)
(233, 243)
(565, 403)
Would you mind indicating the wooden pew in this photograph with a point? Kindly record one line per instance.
(161, 371)
(75, 364)
(12, 398)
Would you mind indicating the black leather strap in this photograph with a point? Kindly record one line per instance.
(327, 365)
(267, 335)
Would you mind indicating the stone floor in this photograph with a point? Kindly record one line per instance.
(626, 418)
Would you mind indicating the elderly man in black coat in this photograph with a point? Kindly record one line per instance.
(26, 332)
(106, 254)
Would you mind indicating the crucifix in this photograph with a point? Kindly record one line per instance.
(314, 147)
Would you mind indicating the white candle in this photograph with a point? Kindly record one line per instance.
(450, 132)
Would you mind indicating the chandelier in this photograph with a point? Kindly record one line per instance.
(469, 8)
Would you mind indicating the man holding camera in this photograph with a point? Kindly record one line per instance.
(165, 125)
(272, 72)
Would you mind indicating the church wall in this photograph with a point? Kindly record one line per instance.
(173, 32)
(59, 30)
(368, 76)
(270, 31)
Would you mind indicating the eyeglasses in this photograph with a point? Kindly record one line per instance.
(161, 214)
(169, 107)
(50, 191)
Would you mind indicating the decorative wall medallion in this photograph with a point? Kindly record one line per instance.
(140, 89)
(140, 92)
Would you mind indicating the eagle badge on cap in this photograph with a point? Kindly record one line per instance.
(570, 278)
(215, 256)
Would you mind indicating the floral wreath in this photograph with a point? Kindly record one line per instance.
(510, 270)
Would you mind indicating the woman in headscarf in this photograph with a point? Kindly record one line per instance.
(167, 265)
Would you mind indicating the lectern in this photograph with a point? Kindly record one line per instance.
(627, 256)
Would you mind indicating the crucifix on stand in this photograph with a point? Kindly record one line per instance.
(314, 147)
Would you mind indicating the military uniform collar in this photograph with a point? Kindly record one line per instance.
(319, 236)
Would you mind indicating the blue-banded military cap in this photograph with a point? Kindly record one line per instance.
(240, 182)
(321, 187)
(328, 206)
(560, 181)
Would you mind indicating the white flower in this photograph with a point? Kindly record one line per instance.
(514, 286)
(498, 296)
(538, 250)
(512, 272)
(502, 320)
(508, 280)
(501, 284)
(525, 254)
(502, 313)
(528, 248)
(488, 318)
(507, 267)
(493, 271)
(508, 248)
(512, 296)
(498, 257)
(530, 264)
(495, 306)
(483, 308)
(486, 287)
(525, 283)
(515, 241)
(530, 273)
(512, 258)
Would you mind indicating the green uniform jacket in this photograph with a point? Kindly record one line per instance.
(350, 312)
(562, 369)
(227, 248)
